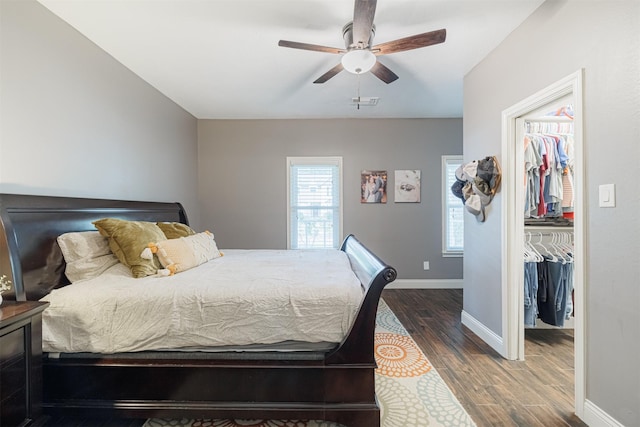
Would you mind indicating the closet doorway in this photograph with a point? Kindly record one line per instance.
(514, 122)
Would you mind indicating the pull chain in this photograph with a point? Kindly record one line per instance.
(358, 97)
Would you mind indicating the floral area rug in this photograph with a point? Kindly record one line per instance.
(410, 391)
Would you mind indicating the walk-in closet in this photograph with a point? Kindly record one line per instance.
(544, 230)
(549, 188)
(549, 196)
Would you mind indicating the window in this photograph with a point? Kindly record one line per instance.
(314, 202)
(452, 209)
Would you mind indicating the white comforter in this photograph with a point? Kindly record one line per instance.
(244, 297)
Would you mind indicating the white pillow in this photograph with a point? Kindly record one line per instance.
(86, 253)
(183, 253)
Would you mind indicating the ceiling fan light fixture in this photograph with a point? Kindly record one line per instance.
(358, 61)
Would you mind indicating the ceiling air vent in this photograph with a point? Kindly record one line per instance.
(369, 101)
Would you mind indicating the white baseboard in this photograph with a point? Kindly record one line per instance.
(487, 335)
(425, 284)
(596, 417)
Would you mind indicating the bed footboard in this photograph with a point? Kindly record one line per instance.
(374, 274)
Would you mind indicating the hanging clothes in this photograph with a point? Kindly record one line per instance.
(548, 281)
(568, 192)
(549, 172)
(552, 299)
(548, 200)
(530, 294)
(532, 165)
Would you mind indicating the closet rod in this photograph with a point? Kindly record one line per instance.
(549, 228)
(549, 127)
(547, 233)
(549, 133)
(550, 120)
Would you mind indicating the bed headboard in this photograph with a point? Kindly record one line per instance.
(29, 225)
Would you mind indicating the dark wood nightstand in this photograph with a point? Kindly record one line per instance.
(20, 362)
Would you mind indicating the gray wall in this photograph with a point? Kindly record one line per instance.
(242, 183)
(75, 122)
(560, 38)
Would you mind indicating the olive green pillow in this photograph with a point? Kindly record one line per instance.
(174, 230)
(127, 240)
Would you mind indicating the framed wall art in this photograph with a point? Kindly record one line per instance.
(373, 186)
(407, 186)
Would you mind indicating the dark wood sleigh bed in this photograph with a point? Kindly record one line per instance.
(335, 385)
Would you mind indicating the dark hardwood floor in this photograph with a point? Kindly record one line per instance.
(537, 392)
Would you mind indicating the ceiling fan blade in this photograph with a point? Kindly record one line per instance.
(332, 72)
(307, 46)
(411, 42)
(363, 13)
(383, 73)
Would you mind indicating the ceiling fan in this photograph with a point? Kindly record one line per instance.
(359, 56)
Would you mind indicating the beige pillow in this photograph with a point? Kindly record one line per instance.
(173, 230)
(127, 239)
(183, 253)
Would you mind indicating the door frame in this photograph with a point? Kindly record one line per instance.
(513, 225)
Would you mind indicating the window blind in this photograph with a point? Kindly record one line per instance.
(453, 209)
(314, 205)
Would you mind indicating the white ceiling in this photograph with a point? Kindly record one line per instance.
(220, 58)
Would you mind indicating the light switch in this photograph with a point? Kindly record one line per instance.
(607, 195)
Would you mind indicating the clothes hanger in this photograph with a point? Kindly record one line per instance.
(537, 255)
(529, 256)
(546, 251)
(554, 248)
(561, 249)
(561, 253)
(567, 245)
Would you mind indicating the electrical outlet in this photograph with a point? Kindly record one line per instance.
(425, 265)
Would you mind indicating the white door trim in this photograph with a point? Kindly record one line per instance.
(513, 227)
